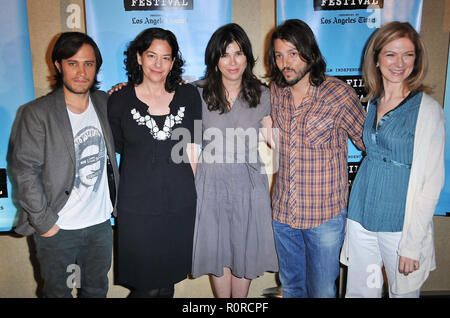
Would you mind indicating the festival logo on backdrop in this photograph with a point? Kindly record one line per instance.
(346, 4)
(150, 5)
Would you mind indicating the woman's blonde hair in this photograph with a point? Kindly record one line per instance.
(387, 33)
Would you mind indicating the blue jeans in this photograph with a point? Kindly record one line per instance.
(309, 258)
(76, 258)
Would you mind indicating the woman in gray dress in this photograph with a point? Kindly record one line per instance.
(233, 239)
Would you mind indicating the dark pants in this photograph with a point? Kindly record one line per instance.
(76, 258)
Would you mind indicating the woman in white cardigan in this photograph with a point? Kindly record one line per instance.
(397, 187)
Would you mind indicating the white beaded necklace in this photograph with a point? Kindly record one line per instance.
(157, 133)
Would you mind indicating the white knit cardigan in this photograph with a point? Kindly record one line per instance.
(425, 184)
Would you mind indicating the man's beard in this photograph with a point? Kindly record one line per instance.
(73, 90)
(301, 75)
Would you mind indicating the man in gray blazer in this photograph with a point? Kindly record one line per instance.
(64, 167)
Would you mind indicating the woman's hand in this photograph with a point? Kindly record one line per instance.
(407, 265)
(193, 153)
(117, 87)
(267, 132)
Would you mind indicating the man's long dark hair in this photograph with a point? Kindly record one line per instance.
(140, 44)
(213, 90)
(67, 46)
(301, 36)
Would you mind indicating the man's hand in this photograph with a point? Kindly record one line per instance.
(53, 230)
(407, 265)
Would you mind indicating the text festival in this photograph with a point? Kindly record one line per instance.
(347, 4)
(161, 4)
(331, 3)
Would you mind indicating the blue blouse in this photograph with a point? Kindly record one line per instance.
(378, 195)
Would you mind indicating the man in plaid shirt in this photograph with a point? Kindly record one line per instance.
(315, 115)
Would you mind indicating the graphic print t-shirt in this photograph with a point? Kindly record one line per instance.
(89, 202)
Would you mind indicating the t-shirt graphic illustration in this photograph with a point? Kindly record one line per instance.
(90, 158)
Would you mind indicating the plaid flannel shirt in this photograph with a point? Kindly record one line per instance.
(311, 185)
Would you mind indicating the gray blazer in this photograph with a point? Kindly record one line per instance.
(43, 160)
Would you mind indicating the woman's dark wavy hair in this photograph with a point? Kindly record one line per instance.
(140, 44)
(67, 46)
(213, 89)
(299, 34)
